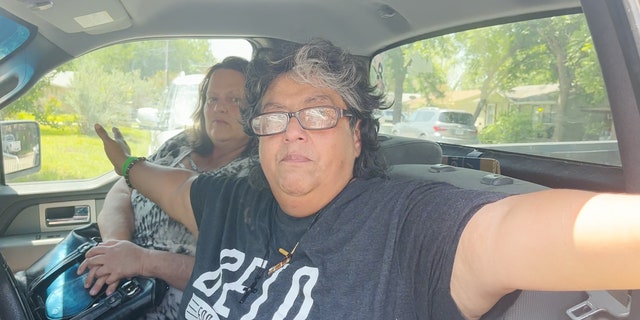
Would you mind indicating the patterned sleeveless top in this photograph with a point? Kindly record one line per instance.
(154, 229)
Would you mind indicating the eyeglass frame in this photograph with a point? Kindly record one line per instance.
(342, 113)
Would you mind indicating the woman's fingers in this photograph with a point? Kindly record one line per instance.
(112, 287)
(120, 139)
(97, 285)
(117, 150)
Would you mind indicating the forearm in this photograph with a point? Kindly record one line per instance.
(167, 187)
(570, 241)
(556, 240)
(174, 268)
(116, 219)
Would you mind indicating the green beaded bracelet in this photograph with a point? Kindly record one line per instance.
(126, 167)
(126, 164)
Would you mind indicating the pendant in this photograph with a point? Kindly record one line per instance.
(279, 265)
(285, 261)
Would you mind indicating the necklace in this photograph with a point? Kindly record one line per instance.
(286, 260)
(252, 288)
(289, 254)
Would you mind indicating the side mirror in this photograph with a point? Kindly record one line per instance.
(20, 147)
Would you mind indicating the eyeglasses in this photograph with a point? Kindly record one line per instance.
(313, 118)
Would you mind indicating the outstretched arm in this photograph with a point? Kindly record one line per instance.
(562, 240)
(168, 187)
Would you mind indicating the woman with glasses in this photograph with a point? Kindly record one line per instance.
(328, 236)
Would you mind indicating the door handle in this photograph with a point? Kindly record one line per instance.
(60, 216)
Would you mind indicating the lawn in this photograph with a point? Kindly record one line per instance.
(72, 155)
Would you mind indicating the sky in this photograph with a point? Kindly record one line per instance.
(222, 48)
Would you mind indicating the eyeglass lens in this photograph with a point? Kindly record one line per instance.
(314, 118)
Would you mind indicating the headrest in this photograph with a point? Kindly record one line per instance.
(403, 150)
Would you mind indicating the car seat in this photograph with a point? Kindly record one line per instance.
(420, 159)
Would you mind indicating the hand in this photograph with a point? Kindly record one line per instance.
(111, 261)
(117, 150)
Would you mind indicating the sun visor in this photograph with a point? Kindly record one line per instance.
(92, 17)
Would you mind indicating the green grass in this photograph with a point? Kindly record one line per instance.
(72, 155)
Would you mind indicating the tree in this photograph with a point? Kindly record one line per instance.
(511, 127)
(488, 55)
(155, 62)
(398, 69)
(98, 96)
(28, 103)
(543, 51)
(496, 59)
(151, 57)
(428, 65)
(564, 37)
(419, 67)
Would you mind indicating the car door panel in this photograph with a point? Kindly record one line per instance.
(35, 217)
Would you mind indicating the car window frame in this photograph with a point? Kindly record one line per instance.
(11, 182)
(381, 83)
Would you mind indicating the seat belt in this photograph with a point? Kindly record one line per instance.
(562, 305)
(616, 303)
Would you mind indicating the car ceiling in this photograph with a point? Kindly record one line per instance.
(362, 26)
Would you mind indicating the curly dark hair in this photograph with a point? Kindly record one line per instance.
(197, 135)
(321, 63)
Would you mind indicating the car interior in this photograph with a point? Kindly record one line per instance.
(39, 37)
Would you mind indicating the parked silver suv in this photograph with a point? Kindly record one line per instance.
(441, 125)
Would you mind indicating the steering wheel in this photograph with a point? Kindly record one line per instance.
(14, 304)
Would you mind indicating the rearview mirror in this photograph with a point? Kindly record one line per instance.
(20, 147)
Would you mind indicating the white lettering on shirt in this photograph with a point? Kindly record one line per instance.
(198, 309)
(236, 286)
(209, 283)
(307, 301)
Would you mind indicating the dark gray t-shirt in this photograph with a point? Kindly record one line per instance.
(382, 249)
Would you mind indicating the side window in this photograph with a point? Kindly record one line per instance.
(125, 85)
(530, 87)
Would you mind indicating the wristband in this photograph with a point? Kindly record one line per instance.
(126, 164)
(126, 167)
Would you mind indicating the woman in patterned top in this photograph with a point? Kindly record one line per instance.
(137, 231)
